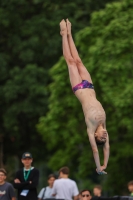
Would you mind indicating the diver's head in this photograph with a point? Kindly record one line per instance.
(100, 135)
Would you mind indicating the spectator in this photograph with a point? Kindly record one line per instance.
(65, 188)
(6, 189)
(26, 179)
(97, 191)
(85, 194)
(45, 192)
(130, 188)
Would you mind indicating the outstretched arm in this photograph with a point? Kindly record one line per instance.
(94, 148)
(106, 150)
(95, 151)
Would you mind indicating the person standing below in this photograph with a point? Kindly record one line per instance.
(26, 179)
(64, 187)
(97, 191)
(46, 192)
(130, 188)
(85, 194)
(6, 189)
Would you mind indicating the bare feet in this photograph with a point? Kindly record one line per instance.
(68, 27)
(63, 27)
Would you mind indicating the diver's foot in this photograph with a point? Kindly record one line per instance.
(63, 27)
(68, 27)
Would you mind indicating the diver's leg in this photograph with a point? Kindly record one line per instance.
(72, 68)
(85, 75)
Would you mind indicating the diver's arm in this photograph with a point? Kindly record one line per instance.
(94, 148)
(106, 150)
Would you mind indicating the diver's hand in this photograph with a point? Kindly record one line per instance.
(101, 170)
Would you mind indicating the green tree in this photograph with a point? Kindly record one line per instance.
(106, 48)
(24, 97)
(30, 41)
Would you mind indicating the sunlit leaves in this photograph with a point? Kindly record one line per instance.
(106, 48)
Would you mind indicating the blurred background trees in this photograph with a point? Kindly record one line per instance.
(39, 112)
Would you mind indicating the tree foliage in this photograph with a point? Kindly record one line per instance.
(29, 47)
(106, 48)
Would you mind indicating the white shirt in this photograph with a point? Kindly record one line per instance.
(45, 193)
(65, 188)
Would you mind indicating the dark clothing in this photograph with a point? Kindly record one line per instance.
(26, 185)
(113, 198)
(6, 191)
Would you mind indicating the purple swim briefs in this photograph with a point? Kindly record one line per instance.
(82, 85)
